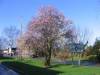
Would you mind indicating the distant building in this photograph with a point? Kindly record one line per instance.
(9, 51)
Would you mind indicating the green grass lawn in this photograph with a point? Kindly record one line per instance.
(35, 67)
(75, 70)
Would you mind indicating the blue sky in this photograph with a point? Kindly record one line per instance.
(85, 14)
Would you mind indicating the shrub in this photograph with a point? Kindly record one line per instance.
(98, 58)
(92, 58)
(62, 55)
(95, 58)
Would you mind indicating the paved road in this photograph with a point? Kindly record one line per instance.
(6, 71)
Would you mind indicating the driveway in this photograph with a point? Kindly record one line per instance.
(5, 71)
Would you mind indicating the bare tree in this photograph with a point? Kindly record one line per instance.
(78, 44)
(1, 43)
(11, 34)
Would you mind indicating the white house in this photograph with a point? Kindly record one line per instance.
(9, 51)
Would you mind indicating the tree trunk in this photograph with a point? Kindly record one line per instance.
(47, 61)
(79, 61)
(72, 55)
(48, 55)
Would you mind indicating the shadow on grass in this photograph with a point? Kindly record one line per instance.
(26, 69)
(4, 58)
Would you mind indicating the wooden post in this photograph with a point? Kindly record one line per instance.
(79, 61)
